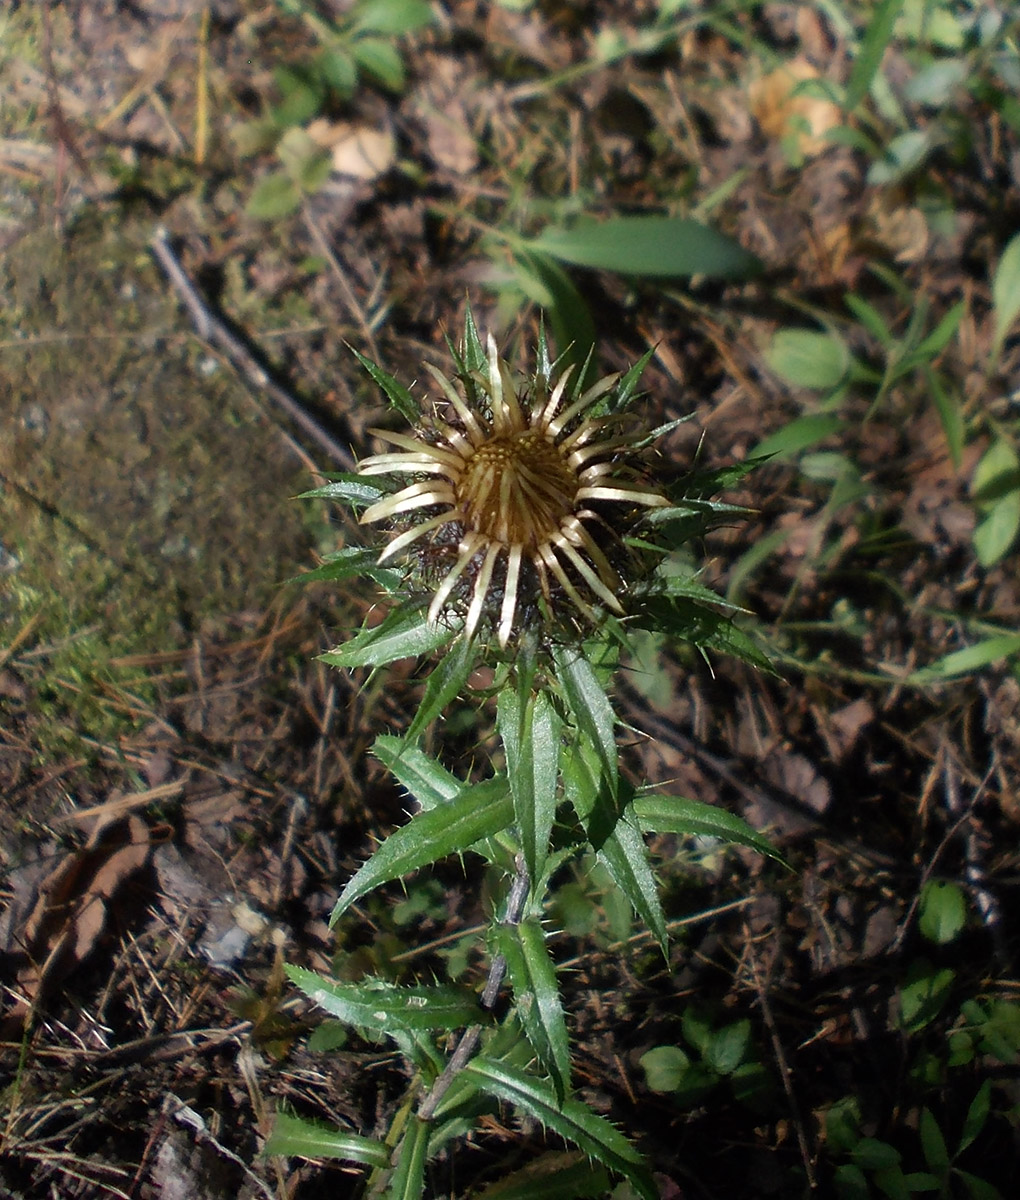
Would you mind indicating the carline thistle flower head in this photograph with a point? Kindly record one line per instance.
(519, 494)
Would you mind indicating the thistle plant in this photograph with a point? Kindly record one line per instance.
(526, 534)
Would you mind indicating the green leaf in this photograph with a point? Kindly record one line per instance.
(428, 781)
(996, 491)
(275, 196)
(625, 856)
(808, 359)
(693, 818)
(309, 1139)
(445, 683)
(877, 36)
(393, 17)
(530, 730)
(404, 633)
(533, 977)
(727, 1046)
(349, 563)
(408, 1179)
(381, 60)
(874, 1155)
(977, 1188)
(665, 1068)
(943, 912)
(933, 1144)
(480, 811)
(395, 392)
(302, 91)
(968, 661)
(950, 415)
(923, 995)
(573, 1120)
(977, 1116)
(545, 281)
(652, 247)
(799, 435)
(384, 1007)
(339, 70)
(589, 707)
(681, 618)
(352, 489)
(1006, 293)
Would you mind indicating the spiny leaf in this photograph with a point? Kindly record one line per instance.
(530, 730)
(677, 814)
(310, 1139)
(480, 811)
(533, 977)
(625, 856)
(408, 1179)
(572, 1120)
(349, 563)
(404, 633)
(395, 392)
(386, 1008)
(445, 683)
(355, 490)
(428, 781)
(589, 707)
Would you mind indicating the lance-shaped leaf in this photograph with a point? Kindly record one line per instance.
(349, 563)
(356, 490)
(572, 1120)
(558, 1175)
(310, 1139)
(386, 1008)
(530, 729)
(405, 633)
(428, 781)
(445, 683)
(589, 707)
(395, 392)
(676, 814)
(625, 856)
(533, 977)
(408, 1179)
(480, 811)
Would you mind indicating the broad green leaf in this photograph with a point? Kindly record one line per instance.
(530, 730)
(408, 1179)
(309, 1139)
(903, 156)
(1006, 292)
(726, 1047)
(933, 1144)
(997, 530)
(569, 316)
(977, 1188)
(977, 1116)
(799, 435)
(339, 70)
(445, 682)
(874, 1155)
(589, 707)
(352, 489)
(625, 856)
(386, 1008)
(557, 1175)
(393, 17)
(996, 491)
(395, 392)
(936, 82)
(380, 59)
(809, 359)
(428, 781)
(275, 196)
(533, 978)
(943, 911)
(676, 814)
(924, 995)
(480, 811)
(970, 660)
(652, 247)
(404, 633)
(878, 34)
(664, 1068)
(573, 1120)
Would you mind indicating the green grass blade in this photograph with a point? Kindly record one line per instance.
(573, 1120)
(873, 47)
(309, 1139)
(408, 1179)
(480, 811)
(533, 977)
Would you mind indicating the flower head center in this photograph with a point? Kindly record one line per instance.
(517, 489)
